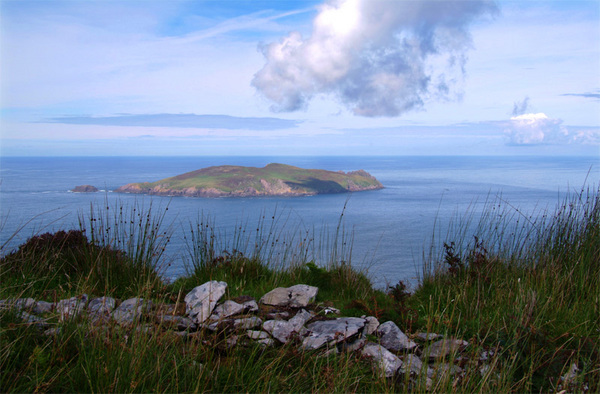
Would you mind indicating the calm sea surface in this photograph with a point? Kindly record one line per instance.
(390, 227)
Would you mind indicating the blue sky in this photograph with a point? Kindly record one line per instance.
(347, 77)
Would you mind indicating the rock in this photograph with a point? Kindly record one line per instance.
(331, 331)
(278, 315)
(201, 301)
(443, 370)
(383, 360)
(71, 307)
(571, 374)
(252, 334)
(247, 323)
(329, 310)
(33, 319)
(54, 331)
(297, 296)
(85, 189)
(371, 325)
(414, 364)
(392, 338)
(182, 323)
(226, 309)
(282, 329)
(25, 303)
(130, 310)
(231, 341)
(444, 347)
(428, 336)
(268, 342)
(42, 307)
(354, 346)
(486, 355)
(101, 307)
(250, 306)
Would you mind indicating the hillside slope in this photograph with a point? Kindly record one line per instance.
(271, 180)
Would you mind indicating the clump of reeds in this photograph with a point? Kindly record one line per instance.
(527, 285)
(115, 251)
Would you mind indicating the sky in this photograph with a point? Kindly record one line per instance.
(260, 77)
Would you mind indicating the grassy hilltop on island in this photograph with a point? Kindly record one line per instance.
(271, 180)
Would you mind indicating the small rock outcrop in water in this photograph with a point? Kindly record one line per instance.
(299, 322)
(85, 189)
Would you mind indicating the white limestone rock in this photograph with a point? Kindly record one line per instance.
(383, 360)
(247, 323)
(24, 304)
(131, 310)
(371, 325)
(444, 347)
(101, 307)
(414, 364)
(250, 306)
(254, 334)
(181, 322)
(201, 301)
(33, 319)
(267, 342)
(297, 296)
(42, 307)
(226, 309)
(71, 307)
(283, 329)
(331, 331)
(354, 346)
(428, 336)
(392, 338)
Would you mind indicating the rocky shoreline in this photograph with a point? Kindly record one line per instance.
(282, 316)
(274, 189)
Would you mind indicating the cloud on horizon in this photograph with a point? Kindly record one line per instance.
(377, 58)
(180, 121)
(539, 129)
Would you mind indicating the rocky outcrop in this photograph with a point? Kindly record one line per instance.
(201, 301)
(297, 296)
(282, 316)
(85, 189)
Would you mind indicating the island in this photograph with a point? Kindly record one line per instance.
(85, 189)
(271, 180)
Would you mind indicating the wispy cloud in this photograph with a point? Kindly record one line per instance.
(180, 121)
(586, 95)
(520, 107)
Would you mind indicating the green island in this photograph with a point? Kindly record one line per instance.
(510, 305)
(271, 180)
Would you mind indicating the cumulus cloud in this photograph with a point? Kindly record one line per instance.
(539, 129)
(535, 129)
(379, 58)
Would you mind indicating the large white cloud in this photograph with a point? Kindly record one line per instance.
(539, 129)
(380, 58)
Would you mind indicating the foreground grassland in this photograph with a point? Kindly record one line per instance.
(525, 287)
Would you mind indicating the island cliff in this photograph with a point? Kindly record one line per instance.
(271, 180)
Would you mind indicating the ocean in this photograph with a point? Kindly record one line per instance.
(390, 229)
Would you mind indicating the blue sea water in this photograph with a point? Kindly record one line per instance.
(390, 228)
